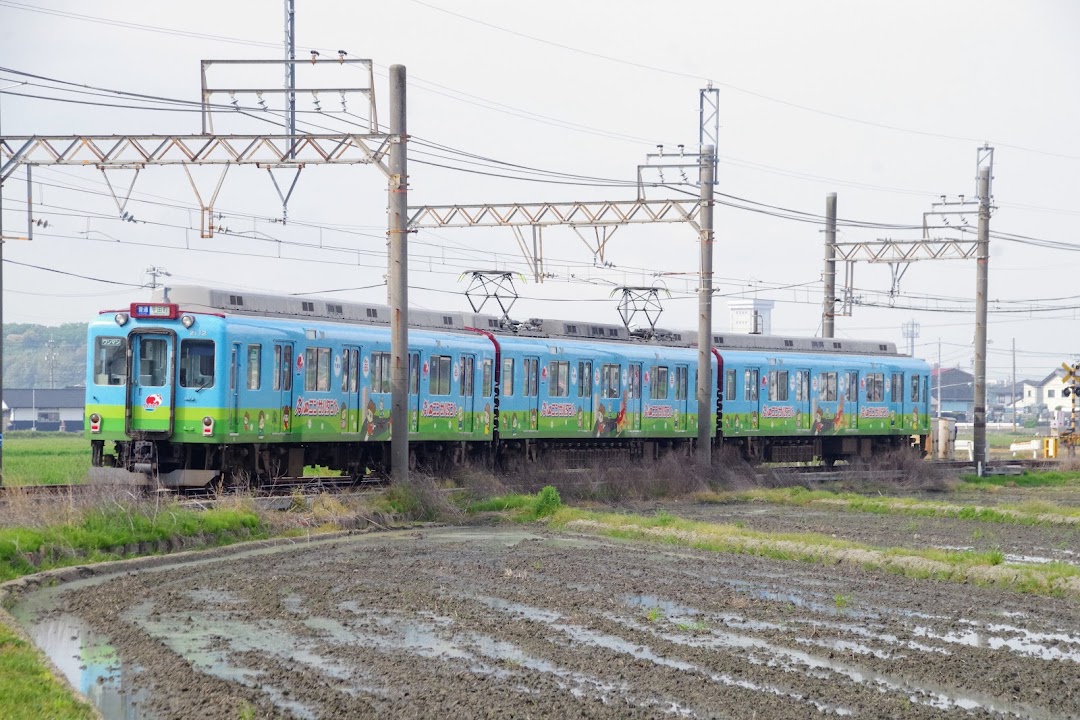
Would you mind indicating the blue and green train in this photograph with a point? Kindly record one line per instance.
(207, 385)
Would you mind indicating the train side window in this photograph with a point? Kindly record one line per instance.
(612, 386)
(414, 373)
(750, 389)
(277, 367)
(802, 385)
(110, 361)
(584, 387)
(852, 389)
(559, 378)
(439, 375)
(380, 372)
(778, 385)
(354, 369)
(828, 387)
(875, 387)
(286, 368)
(197, 363)
(658, 388)
(466, 387)
(897, 387)
(486, 378)
(682, 384)
(914, 388)
(254, 367)
(506, 387)
(532, 377)
(730, 389)
(345, 370)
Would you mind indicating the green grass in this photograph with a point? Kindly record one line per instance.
(523, 508)
(99, 533)
(28, 691)
(38, 458)
(982, 568)
(1030, 513)
(1047, 478)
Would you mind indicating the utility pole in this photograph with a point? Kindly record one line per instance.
(982, 260)
(828, 312)
(910, 331)
(290, 69)
(706, 175)
(397, 229)
(1012, 390)
(939, 377)
(51, 356)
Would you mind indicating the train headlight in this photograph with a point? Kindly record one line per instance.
(121, 319)
(187, 320)
(207, 426)
(95, 423)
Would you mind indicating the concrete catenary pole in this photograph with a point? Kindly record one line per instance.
(982, 259)
(290, 71)
(397, 229)
(706, 404)
(828, 311)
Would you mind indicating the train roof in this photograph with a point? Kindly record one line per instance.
(238, 302)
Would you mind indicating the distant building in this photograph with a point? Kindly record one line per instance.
(46, 410)
(751, 315)
(952, 391)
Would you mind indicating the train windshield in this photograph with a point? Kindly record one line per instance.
(110, 361)
(197, 363)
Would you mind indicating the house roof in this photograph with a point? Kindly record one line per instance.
(45, 398)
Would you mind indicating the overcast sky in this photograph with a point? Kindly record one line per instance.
(883, 103)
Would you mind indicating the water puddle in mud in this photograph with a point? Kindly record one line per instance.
(1047, 646)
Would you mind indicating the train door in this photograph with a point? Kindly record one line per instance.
(234, 389)
(896, 401)
(851, 400)
(803, 414)
(466, 393)
(151, 400)
(414, 392)
(532, 392)
(585, 395)
(682, 393)
(633, 393)
(283, 385)
(350, 388)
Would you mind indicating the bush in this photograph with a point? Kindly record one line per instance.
(547, 502)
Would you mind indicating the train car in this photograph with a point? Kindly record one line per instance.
(583, 395)
(796, 407)
(188, 396)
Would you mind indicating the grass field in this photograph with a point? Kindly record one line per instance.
(40, 458)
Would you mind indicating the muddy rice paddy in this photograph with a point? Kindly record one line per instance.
(522, 622)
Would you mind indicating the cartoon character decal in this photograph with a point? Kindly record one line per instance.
(285, 419)
(262, 423)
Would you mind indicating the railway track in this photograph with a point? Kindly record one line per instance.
(336, 484)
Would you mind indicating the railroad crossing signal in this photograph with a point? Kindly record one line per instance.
(1072, 373)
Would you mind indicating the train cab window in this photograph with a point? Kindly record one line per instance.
(851, 389)
(466, 387)
(682, 384)
(439, 376)
(558, 378)
(506, 387)
(485, 378)
(612, 387)
(827, 392)
(197, 363)
(658, 387)
(532, 377)
(414, 373)
(153, 362)
(254, 367)
(875, 387)
(730, 390)
(750, 385)
(778, 385)
(110, 361)
(584, 384)
(914, 388)
(380, 372)
(317, 369)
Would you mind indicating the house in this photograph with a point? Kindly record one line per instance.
(45, 409)
(957, 392)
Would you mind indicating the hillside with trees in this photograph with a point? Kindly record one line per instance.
(44, 356)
